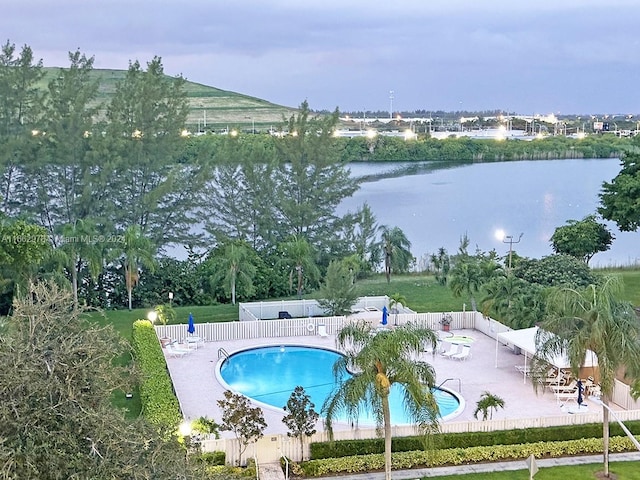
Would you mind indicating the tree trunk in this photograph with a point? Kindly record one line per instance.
(74, 285)
(605, 434)
(386, 414)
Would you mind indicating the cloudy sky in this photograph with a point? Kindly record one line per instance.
(560, 56)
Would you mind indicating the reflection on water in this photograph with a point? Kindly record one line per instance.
(436, 203)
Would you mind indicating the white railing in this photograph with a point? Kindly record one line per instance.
(250, 311)
(291, 447)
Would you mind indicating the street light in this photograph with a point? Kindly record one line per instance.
(597, 401)
(509, 239)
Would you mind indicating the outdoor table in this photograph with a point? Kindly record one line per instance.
(193, 341)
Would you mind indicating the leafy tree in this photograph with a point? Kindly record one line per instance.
(619, 198)
(147, 185)
(61, 186)
(23, 247)
(487, 404)
(234, 265)
(517, 303)
(582, 239)
(382, 360)
(56, 416)
(554, 270)
(186, 279)
(338, 294)
(301, 417)
(239, 417)
(20, 112)
(137, 251)
(238, 199)
(312, 181)
(297, 256)
(395, 246)
(364, 237)
(593, 318)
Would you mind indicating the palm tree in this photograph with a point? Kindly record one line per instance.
(382, 360)
(298, 257)
(395, 300)
(593, 319)
(235, 265)
(137, 250)
(80, 247)
(395, 245)
(466, 277)
(487, 404)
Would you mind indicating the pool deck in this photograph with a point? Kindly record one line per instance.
(198, 389)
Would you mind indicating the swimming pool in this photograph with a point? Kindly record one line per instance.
(269, 374)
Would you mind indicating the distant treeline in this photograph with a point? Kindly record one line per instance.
(397, 149)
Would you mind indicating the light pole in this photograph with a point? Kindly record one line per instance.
(391, 104)
(509, 239)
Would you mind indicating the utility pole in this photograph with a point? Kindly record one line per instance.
(509, 239)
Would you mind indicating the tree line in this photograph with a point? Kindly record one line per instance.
(97, 194)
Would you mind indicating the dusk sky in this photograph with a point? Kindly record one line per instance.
(547, 56)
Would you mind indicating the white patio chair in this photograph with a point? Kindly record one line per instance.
(454, 350)
(176, 352)
(464, 354)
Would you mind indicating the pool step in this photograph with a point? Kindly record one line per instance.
(270, 471)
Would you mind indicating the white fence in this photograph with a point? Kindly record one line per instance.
(270, 449)
(301, 308)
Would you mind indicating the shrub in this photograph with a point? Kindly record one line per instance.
(159, 402)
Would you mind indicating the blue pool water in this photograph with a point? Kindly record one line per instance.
(269, 374)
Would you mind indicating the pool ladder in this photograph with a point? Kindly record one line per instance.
(459, 383)
(222, 353)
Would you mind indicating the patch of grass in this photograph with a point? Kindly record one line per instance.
(622, 470)
(423, 292)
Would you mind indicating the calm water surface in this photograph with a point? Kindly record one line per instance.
(435, 207)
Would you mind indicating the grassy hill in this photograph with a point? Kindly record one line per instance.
(219, 108)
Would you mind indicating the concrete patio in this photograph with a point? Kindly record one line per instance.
(198, 390)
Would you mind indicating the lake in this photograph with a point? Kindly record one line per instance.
(435, 204)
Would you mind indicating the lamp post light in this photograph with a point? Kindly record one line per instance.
(152, 316)
(509, 239)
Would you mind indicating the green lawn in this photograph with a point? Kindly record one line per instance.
(623, 471)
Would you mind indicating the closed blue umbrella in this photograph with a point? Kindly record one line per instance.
(385, 314)
(191, 328)
(580, 389)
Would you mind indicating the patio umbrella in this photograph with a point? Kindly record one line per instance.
(385, 314)
(191, 328)
(580, 389)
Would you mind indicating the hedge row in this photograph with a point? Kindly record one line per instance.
(460, 456)
(346, 448)
(159, 402)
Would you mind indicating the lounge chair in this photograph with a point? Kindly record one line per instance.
(454, 350)
(567, 395)
(177, 352)
(570, 387)
(464, 354)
